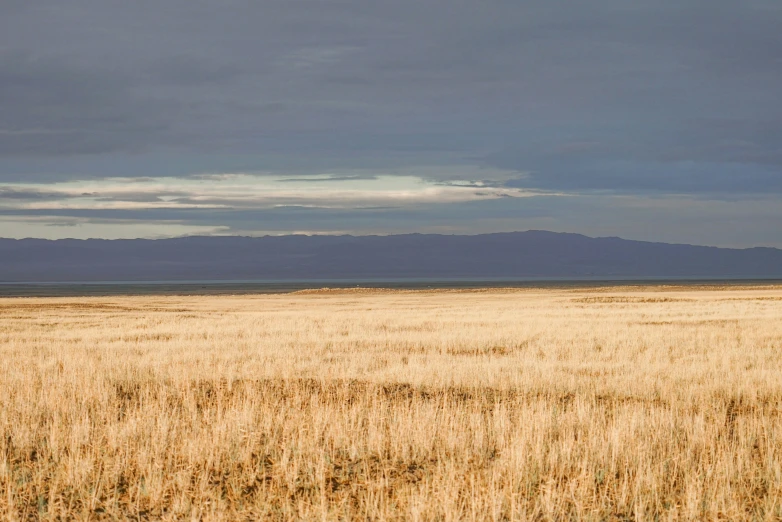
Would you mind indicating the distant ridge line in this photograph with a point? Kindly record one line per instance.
(533, 253)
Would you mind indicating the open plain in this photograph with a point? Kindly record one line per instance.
(529, 404)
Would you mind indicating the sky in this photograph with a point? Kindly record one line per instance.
(657, 120)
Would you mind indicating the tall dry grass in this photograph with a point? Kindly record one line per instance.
(617, 404)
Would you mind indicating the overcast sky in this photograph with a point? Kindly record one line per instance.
(646, 119)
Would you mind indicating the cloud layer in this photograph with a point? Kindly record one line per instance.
(466, 104)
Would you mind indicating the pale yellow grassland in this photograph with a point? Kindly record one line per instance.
(617, 403)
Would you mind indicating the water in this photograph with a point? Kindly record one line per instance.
(118, 288)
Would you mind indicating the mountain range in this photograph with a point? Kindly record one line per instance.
(531, 254)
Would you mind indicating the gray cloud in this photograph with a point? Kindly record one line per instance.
(611, 96)
(14, 194)
(328, 178)
(52, 109)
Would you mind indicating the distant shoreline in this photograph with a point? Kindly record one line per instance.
(131, 288)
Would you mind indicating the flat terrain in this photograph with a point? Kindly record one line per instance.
(527, 404)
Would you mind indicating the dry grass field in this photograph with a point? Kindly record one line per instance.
(653, 403)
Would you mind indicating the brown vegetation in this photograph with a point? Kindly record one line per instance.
(632, 403)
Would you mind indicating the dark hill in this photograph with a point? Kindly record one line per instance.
(507, 255)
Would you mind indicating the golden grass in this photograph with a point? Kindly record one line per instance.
(615, 403)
